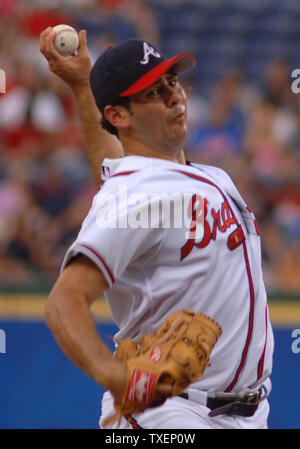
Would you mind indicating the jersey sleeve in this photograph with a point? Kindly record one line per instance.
(116, 232)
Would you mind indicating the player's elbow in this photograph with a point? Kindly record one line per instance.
(55, 308)
(51, 311)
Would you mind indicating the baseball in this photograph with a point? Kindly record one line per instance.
(66, 39)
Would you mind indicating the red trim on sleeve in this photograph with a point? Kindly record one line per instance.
(101, 260)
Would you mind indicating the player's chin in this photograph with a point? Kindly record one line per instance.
(179, 130)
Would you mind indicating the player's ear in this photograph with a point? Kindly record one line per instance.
(117, 115)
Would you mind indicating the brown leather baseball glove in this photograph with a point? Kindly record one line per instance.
(176, 354)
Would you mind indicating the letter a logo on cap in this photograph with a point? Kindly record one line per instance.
(147, 52)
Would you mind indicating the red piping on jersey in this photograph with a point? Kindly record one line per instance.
(256, 227)
(251, 288)
(101, 260)
(250, 326)
(133, 422)
(199, 178)
(262, 359)
(124, 173)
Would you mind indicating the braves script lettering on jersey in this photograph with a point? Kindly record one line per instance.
(212, 266)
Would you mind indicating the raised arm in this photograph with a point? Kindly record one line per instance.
(75, 72)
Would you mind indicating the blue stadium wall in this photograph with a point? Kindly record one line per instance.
(41, 389)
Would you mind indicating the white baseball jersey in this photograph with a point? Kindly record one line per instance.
(209, 263)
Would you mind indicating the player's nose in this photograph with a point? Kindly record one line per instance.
(174, 95)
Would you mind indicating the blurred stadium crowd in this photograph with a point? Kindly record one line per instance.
(243, 117)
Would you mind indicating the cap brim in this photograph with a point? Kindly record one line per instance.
(181, 63)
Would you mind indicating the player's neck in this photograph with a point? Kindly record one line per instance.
(138, 149)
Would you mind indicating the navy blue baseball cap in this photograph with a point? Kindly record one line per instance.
(130, 67)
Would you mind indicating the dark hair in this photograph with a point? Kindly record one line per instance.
(120, 101)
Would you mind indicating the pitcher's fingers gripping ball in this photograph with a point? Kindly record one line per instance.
(177, 355)
(66, 39)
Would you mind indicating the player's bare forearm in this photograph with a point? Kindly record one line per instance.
(75, 71)
(69, 317)
(98, 142)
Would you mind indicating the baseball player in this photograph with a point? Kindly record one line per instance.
(146, 264)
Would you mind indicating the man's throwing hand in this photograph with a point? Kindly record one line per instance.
(73, 70)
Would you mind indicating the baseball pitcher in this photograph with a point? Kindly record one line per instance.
(171, 245)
